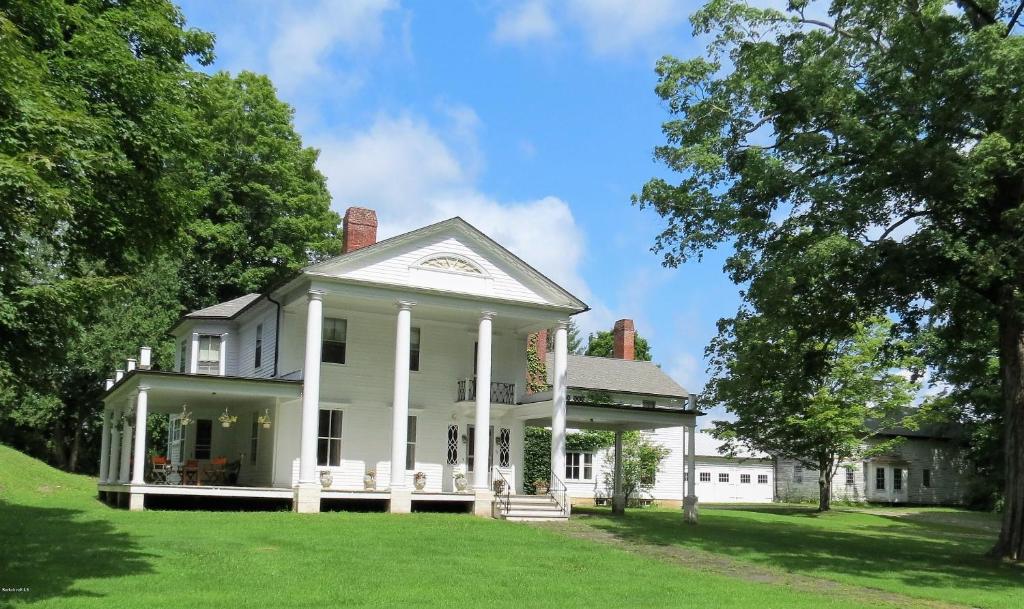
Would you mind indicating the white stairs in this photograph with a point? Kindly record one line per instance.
(534, 508)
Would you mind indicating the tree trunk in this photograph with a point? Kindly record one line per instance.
(824, 487)
(1011, 367)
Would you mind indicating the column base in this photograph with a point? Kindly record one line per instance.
(690, 511)
(136, 502)
(401, 501)
(619, 504)
(484, 505)
(306, 499)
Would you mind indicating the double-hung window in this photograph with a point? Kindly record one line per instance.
(257, 358)
(723, 477)
(705, 476)
(410, 443)
(335, 335)
(879, 478)
(209, 354)
(850, 478)
(328, 445)
(744, 478)
(579, 466)
(762, 478)
(414, 349)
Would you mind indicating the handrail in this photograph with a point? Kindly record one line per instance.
(504, 498)
(559, 492)
(501, 393)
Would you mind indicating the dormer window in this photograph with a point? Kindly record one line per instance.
(452, 264)
(209, 354)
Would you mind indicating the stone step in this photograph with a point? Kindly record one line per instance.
(530, 516)
(531, 499)
(533, 507)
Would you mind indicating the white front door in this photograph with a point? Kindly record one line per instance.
(175, 441)
(888, 483)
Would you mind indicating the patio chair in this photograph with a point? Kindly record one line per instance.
(216, 472)
(190, 472)
(159, 468)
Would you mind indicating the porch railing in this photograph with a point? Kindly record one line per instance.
(559, 492)
(501, 393)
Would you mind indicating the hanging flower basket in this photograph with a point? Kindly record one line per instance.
(264, 419)
(227, 419)
(186, 416)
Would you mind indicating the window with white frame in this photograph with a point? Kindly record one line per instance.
(209, 354)
(897, 479)
(851, 478)
(414, 349)
(579, 466)
(705, 476)
(723, 477)
(182, 354)
(254, 438)
(744, 478)
(335, 337)
(453, 444)
(257, 357)
(798, 474)
(410, 443)
(504, 447)
(328, 444)
(762, 478)
(879, 478)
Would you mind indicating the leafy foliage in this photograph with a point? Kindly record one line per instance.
(602, 344)
(640, 461)
(537, 451)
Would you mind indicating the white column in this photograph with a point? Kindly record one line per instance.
(223, 370)
(311, 388)
(618, 499)
(558, 399)
(104, 446)
(141, 411)
(482, 423)
(690, 501)
(193, 360)
(114, 460)
(124, 473)
(400, 400)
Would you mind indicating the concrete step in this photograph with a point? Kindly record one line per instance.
(531, 499)
(535, 515)
(536, 518)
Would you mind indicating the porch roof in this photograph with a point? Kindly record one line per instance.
(171, 388)
(614, 375)
(589, 415)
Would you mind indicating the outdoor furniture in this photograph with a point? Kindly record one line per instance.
(190, 472)
(159, 469)
(216, 472)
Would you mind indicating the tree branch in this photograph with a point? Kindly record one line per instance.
(837, 30)
(978, 15)
(1014, 18)
(899, 223)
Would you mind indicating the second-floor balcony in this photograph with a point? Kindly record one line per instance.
(501, 393)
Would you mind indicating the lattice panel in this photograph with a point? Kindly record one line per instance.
(453, 444)
(504, 441)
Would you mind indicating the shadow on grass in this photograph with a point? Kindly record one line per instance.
(917, 554)
(45, 551)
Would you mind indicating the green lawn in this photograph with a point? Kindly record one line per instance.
(71, 551)
(930, 553)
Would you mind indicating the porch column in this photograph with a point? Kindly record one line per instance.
(311, 388)
(104, 446)
(114, 459)
(618, 498)
(141, 411)
(482, 423)
(193, 360)
(124, 474)
(400, 400)
(222, 370)
(690, 501)
(558, 400)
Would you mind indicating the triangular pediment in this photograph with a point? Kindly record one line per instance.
(450, 256)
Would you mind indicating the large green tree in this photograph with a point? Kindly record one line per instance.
(894, 125)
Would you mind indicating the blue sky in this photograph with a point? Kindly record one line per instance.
(534, 121)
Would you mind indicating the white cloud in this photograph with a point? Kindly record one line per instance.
(527, 22)
(686, 370)
(413, 174)
(616, 26)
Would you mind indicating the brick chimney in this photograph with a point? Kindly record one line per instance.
(624, 337)
(542, 345)
(359, 229)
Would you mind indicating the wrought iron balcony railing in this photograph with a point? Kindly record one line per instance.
(501, 393)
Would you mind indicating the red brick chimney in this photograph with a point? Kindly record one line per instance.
(624, 337)
(359, 229)
(542, 345)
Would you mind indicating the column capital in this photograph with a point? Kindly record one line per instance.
(315, 295)
(405, 305)
(143, 388)
(562, 324)
(487, 315)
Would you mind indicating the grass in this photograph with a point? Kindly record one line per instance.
(71, 551)
(928, 553)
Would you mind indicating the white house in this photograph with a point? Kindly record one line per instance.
(370, 363)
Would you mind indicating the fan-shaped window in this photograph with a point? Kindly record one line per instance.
(451, 263)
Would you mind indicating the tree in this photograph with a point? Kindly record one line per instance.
(895, 126)
(537, 451)
(640, 461)
(602, 343)
(818, 415)
(574, 340)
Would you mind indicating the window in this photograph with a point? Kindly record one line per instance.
(328, 444)
(254, 438)
(204, 432)
(451, 263)
(897, 479)
(650, 403)
(410, 443)
(744, 478)
(649, 475)
(414, 349)
(257, 358)
(453, 444)
(209, 354)
(182, 364)
(335, 334)
(798, 474)
(850, 478)
(504, 443)
(926, 478)
(879, 478)
(762, 478)
(723, 477)
(705, 476)
(471, 448)
(579, 466)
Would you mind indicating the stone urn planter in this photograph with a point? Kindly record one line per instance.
(326, 478)
(460, 482)
(540, 487)
(419, 481)
(499, 487)
(370, 480)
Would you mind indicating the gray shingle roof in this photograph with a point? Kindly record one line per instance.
(618, 376)
(225, 310)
